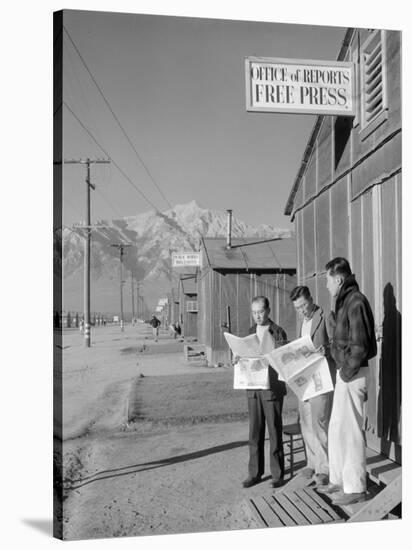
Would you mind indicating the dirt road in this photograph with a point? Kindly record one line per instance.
(138, 478)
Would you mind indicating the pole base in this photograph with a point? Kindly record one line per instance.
(87, 336)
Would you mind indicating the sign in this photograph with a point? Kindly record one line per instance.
(300, 86)
(186, 259)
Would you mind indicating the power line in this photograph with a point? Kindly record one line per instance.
(66, 202)
(87, 245)
(108, 156)
(108, 202)
(116, 118)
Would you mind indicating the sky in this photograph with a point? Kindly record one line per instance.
(177, 86)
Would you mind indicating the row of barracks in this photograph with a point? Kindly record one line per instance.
(183, 305)
(346, 201)
(216, 297)
(231, 275)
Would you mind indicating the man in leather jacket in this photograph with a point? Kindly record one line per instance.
(353, 343)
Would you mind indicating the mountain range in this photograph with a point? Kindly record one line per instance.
(153, 237)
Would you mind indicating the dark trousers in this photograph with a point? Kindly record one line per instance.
(263, 411)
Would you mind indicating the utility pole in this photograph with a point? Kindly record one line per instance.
(137, 300)
(88, 227)
(121, 247)
(132, 298)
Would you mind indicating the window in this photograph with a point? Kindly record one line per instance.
(191, 306)
(373, 82)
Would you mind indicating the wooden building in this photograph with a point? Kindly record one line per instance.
(230, 278)
(346, 201)
(188, 305)
(173, 306)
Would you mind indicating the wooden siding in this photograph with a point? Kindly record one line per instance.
(339, 219)
(325, 159)
(309, 241)
(322, 227)
(219, 290)
(356, 213)
(311, 177)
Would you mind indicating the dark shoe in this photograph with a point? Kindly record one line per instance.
(321, 480)
(276, 484)
(307, 473)
(348, 498)
(250, 481)
(328, 489)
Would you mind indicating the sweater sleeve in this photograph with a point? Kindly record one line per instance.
(357, 350)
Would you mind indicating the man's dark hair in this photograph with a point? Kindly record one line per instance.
(300, 291)
(339, 266)
(262, 299)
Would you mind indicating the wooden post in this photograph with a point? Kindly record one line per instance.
(229, 328)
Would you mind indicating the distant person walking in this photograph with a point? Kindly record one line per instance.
(314, 413)
(265, 406)
(175, 329)
(353, 344)
(155, 324)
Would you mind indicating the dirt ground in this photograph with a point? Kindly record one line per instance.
(143, 455)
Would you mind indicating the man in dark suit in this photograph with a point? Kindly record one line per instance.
(314, 414)
(265, 406)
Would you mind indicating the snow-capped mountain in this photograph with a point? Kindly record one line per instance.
(153, 236)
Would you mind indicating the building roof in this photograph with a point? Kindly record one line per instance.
(189, 285)
(315, 132)
(257, 254)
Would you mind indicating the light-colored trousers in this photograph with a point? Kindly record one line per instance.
(347, 449)
(314, 417)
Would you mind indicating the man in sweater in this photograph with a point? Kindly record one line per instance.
(353, 344)
(155, 323)
(265, 406)
(314, 413)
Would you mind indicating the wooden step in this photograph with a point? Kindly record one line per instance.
(297, 482)
(294, 507)
(381, 504)
(380, 468)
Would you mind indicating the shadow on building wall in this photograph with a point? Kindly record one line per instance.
(389, 397)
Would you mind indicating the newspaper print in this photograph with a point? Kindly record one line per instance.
(305, 370)
(251, 371)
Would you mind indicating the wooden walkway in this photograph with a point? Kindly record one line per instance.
(294, 507)
(297, 503)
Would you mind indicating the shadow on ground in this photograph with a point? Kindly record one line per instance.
(137, 468)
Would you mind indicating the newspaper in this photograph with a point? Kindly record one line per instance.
(304, 370)
(252, 370)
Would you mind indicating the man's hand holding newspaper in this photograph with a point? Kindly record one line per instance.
(304, 368)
